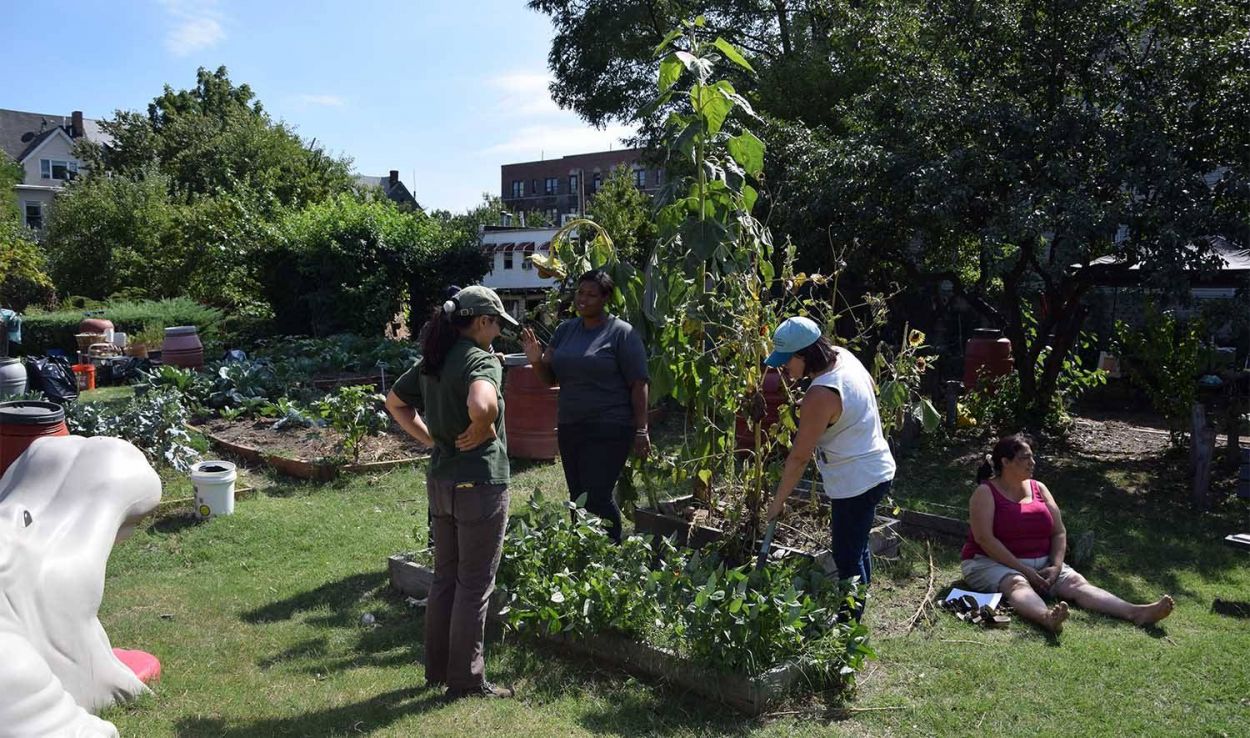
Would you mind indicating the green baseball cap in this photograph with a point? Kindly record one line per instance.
(478, 300)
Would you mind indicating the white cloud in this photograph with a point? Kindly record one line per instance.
(549, 141)
(196, 26)
(329, 101)
(523, 94)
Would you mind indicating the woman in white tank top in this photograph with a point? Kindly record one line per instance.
(840, 425)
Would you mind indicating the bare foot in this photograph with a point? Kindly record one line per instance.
(1055, 617)
(1155, 611)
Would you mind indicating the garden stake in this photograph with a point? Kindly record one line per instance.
(766, 545)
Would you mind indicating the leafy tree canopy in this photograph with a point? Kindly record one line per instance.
(216, 137)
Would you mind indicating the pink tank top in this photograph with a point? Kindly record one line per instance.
(1023, 527)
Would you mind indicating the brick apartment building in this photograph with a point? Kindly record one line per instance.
(561, 188)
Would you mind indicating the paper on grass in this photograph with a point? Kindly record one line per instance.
(982, 598)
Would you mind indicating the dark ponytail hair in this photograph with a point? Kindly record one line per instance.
(818, 357)
(1006, 448)
(440, 335)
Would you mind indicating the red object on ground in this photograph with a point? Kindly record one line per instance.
(85, 374)
(530, 420)
(145, 666)
(988, 354)
(22, 422)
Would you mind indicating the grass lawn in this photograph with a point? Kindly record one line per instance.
(257, 621)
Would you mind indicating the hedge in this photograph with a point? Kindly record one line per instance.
(41, 331)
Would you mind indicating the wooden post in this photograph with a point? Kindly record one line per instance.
(954, 388)
(1201, 451)
(1197, 421)
(1232, 422)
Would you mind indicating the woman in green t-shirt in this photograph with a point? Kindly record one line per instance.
(458, 387)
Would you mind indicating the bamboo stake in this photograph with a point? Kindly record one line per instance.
(928, 595)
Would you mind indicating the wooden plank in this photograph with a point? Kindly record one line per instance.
(930, 525)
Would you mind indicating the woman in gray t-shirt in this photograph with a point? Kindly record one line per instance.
(601, 366)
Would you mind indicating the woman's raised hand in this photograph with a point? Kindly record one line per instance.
(533, 349)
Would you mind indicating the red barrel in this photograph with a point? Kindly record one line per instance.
(773, 395)
(530, 412)
(987, 354)
(22, 422)
(182, 347)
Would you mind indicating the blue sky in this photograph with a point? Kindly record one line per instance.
(445, 90)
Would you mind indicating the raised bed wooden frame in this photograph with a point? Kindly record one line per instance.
(319, 471)
(751, 695)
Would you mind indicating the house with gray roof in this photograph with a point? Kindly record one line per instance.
(43, 145)
(390, 185)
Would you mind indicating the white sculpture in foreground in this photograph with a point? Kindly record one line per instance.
(63, 504)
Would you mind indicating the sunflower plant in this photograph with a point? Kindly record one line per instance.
(898, 373)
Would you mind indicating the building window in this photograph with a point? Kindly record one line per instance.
(553, 216)
(572, 184)
(507, 260)
(596, 183)
(640, 177)
(534, 187)
(551, 185)
(58, 169)
(526, 263)
(518, 187)
(34, 215)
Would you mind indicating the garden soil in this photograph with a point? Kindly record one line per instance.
(312, 444)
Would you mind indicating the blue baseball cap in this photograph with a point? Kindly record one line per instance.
(793, 334)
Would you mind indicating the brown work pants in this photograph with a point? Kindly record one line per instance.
(468, 526)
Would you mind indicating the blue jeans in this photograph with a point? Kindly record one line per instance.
(851, 523)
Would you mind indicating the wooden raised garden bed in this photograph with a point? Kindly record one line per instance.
(672, 520)
(751, 695)
(307, 453)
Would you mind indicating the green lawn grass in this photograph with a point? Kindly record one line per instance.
(257, 621)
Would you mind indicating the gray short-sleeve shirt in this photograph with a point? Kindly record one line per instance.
(596, 368)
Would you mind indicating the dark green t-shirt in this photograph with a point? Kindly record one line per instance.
(443, 403)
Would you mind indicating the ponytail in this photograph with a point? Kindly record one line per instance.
(985, 471)
(440, 335)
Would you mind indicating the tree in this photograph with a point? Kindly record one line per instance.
(992, 145)
(23, 280)
(625, 213)
(213, 138)
(106, 234)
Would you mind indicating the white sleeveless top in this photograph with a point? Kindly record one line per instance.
(852, 455)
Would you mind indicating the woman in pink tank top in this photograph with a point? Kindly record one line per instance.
(1017, 542)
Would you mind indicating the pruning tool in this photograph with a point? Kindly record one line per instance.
(766, 545)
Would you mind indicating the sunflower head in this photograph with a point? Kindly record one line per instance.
(915, 338)
(921, 364)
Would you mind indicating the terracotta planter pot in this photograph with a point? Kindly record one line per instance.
(182, 347)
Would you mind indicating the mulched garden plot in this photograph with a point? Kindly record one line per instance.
(310, 444)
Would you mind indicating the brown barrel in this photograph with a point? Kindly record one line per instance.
(95, 325)
(987, 348)
(22, 422)
(773, 394)
(182, 347)
(530, 411)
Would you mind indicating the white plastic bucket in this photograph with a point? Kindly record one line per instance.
(214, 487)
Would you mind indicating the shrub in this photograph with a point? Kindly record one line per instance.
(23, 280)
(41, 331)
(1162, 358)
